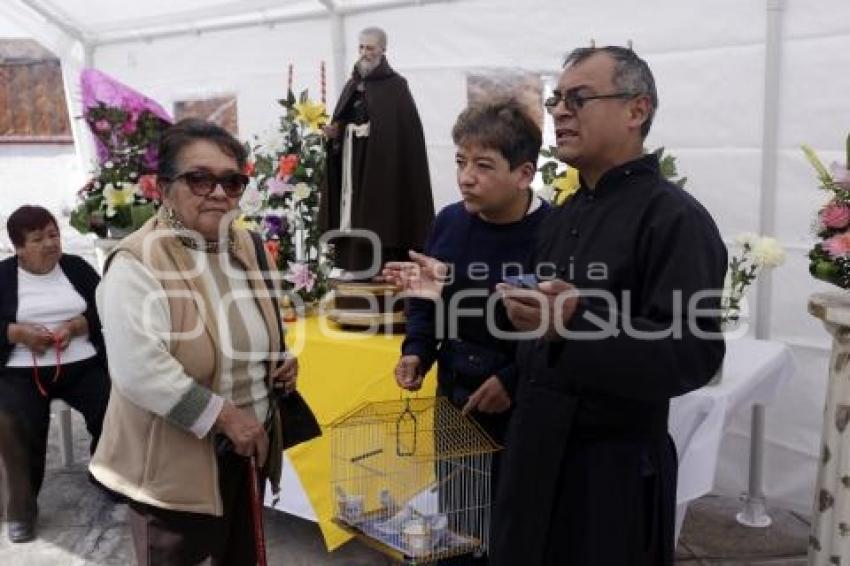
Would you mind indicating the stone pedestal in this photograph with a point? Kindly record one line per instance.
(829, 542)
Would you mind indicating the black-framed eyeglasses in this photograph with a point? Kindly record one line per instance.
(573, 101)
(203, 183)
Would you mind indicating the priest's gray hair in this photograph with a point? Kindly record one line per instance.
(377, 33)
(631, 74)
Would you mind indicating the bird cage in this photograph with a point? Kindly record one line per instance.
(413, 478)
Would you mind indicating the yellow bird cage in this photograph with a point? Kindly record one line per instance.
(412, 478)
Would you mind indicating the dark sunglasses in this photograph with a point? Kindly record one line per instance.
(574, 102)
(203, 183)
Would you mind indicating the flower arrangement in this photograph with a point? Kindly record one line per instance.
(755, 254)
(122, 193)
(830, 257)
(560, 181)
(282, 199)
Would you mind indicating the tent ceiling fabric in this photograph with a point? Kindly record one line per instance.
(106, 21)
(99, 20)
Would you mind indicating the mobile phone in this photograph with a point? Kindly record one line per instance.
(524, 281)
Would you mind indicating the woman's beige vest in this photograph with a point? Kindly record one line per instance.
(142, 455)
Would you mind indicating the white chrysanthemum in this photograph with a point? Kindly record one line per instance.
(302, 191)
(747, 239)
(768, 253)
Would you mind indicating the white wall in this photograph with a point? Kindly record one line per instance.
(708, 58)
(43, 174)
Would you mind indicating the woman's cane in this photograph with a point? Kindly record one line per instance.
(257, 513)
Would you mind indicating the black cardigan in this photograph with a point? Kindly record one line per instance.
(81, 275)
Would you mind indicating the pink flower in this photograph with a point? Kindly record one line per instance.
(840, 175)
(277, 187)
(838, 246)
(835, 215)
(102, 125)
(130, 127)
(300, 276)
(149, 187)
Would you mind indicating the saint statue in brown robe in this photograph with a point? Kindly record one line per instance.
(377, 176)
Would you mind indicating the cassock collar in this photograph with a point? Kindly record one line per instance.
(646, 165)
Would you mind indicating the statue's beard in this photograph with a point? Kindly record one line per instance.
(364, 67)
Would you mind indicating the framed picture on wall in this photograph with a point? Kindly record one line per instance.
(218, 109)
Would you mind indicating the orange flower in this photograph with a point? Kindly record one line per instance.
(249, 168)
(287, 165)
(273, 247)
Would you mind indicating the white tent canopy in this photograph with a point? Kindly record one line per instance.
(741, 86)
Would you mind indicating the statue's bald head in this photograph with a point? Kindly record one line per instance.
(377, 34)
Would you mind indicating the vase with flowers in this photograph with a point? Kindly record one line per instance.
(829, 258)
(122, 192)
(286, 168)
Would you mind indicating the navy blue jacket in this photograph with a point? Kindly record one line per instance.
(463, 239)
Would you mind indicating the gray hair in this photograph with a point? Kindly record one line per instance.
(631, 74)
(377, 33)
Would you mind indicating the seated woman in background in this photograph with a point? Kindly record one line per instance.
(51, 347)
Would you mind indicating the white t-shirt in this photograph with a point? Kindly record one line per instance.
(49, 300)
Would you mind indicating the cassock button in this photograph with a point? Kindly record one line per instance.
(574, 232)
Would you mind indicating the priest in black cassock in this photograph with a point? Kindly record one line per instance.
(632, 267)
(377, 177)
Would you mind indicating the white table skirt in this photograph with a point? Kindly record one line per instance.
(753, 372)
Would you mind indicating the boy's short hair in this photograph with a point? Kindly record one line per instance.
(501, 125)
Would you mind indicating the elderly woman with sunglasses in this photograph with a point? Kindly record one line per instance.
(51, 347)
(194, 335)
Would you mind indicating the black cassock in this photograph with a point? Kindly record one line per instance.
(589, 472)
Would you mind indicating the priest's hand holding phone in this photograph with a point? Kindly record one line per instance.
(525, 306)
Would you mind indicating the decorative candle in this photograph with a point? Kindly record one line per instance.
(323, 82)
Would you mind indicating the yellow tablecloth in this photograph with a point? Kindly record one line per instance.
(339, 370)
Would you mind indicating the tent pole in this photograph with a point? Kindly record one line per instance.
(754, 513)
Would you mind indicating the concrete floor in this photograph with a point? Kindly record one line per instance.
(79, 526)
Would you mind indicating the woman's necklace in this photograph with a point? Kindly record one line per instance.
(191, 239)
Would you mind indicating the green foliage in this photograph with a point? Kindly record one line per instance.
(667, 164)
